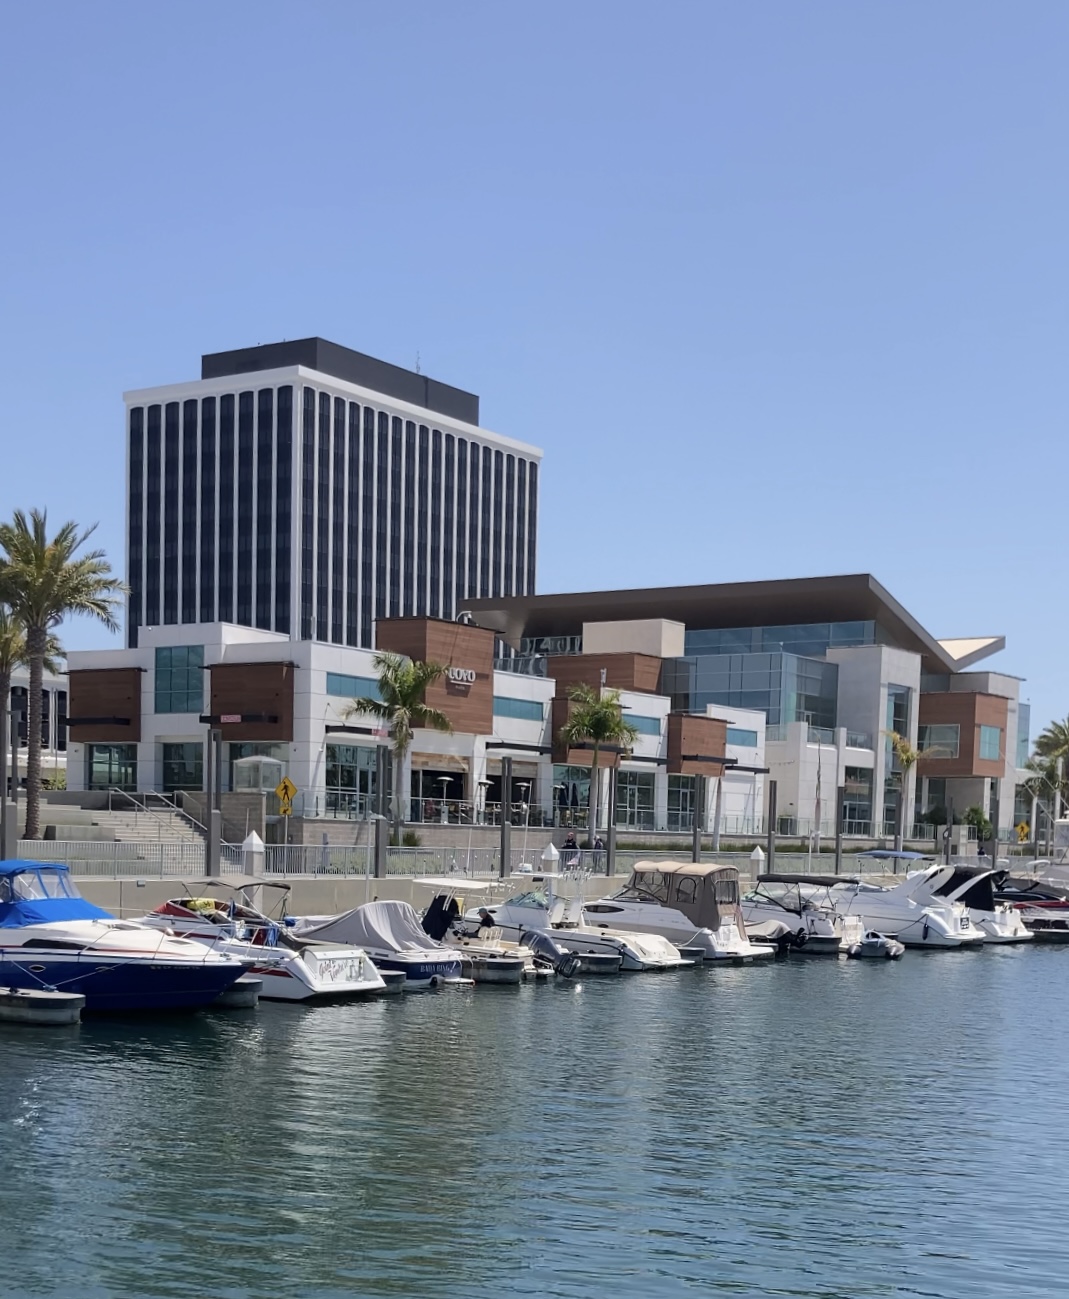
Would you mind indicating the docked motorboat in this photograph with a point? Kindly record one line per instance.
(974, 888)
(292, 968)
(691, 905)
(805, 905)
(391, 933)
(538, 908)
(876, 947)
(490, 958)
(907, 910)
(1043, 907)
(51, 938)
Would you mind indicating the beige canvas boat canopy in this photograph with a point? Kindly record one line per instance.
(701, 892)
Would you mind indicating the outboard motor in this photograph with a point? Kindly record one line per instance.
(436, 922)
(544, 949)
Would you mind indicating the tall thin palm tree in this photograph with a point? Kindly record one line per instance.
(596, 718)
(908, 757)
(402, 705)
(44, 580)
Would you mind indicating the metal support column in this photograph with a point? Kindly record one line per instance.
(700, 796)
(717, 809)
(214, 818)
(506, 818)
(382, 838)
(770, 844)
(610, 833)
(840, 811)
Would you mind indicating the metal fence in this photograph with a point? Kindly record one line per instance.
(175, 860)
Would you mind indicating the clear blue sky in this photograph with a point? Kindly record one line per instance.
(780, 288)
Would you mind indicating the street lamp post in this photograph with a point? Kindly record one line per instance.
(525, 785)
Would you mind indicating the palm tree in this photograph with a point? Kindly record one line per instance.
(14, 654)
(1052, 749)
(43, 581)
(597, 718)
(402, 706)
(907, 757)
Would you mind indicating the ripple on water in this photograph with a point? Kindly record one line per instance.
(812, 1129)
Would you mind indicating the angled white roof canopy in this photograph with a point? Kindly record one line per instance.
(967, 650)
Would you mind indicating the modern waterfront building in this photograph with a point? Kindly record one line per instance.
(836, 665)
(140, 720)
(847, 670)
(308, 490)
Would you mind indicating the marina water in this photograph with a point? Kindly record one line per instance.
(815, 1128)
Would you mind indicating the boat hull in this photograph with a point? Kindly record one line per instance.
(422, 971)
(122, 983)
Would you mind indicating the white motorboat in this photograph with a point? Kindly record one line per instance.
(391, 933)
(692, 905)
(52, 939)
(907, 910)
(490, 957)
(805, 906)
(292, 969)
(539, 909)
(974, 888)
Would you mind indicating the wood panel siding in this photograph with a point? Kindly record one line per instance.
(969, 711)
(469, 705)
(692, 735)
(104, 693)
(639, 672)
(244, 688)
(562, 710)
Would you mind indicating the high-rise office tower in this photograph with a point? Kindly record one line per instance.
(307, 489)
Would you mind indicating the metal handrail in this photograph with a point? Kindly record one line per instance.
(139, 807)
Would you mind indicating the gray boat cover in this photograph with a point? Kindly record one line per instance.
(386, 926)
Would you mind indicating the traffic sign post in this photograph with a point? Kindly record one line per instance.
(286, 791)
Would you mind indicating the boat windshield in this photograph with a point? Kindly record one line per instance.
(532, 898)
(32, 886)
(787, 896)
(644, 886)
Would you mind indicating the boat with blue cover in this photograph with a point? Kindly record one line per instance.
(52, 938)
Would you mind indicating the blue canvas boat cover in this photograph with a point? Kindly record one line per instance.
(41, 893)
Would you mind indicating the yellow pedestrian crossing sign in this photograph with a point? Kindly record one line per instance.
(285, 789)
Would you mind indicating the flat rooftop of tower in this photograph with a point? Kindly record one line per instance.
(354, 367)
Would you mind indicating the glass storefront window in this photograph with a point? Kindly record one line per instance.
(634, 800)
(350, 779)
(571, 793)
(680, 802)
(857, 799)
(183, 767)
(111, 766)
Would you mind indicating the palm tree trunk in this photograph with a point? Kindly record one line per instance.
(5, 741)
(398, 767)
(36, 645)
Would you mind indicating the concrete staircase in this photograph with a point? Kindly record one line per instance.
(156, 826)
